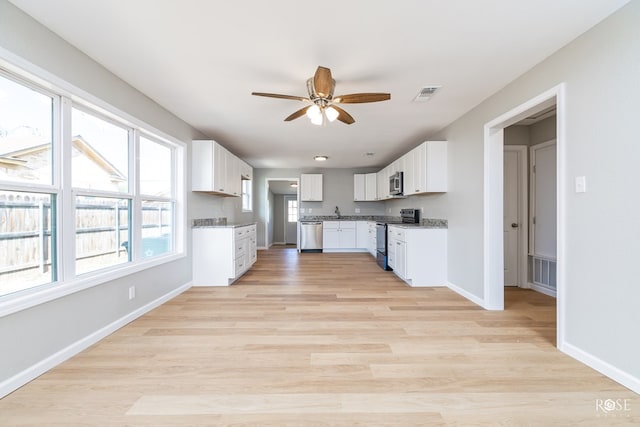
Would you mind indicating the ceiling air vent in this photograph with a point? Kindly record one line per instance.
(426, 93)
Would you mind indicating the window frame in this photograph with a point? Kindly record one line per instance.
(292, 210)
(65, 97)
(248, 196)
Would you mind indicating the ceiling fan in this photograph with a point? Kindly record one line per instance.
(323, 104)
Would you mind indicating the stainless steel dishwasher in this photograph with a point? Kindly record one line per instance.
(310, 236)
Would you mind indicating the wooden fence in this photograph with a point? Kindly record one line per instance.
(27, 236)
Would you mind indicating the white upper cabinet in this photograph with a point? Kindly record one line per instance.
(365, 187)
(246, 171)
(408, 176)
(234, 179)
(311, 187)
(359, 187)
(429, 169)
(370, 186)
(382, 179)
(214, 169)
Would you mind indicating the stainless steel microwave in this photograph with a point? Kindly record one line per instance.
(395, 184)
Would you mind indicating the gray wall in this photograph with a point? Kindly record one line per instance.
(337, 191)
(32, 335)
(278, 218)
(602, 232)
(543, 131)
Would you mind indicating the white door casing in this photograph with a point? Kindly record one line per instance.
(493, 236)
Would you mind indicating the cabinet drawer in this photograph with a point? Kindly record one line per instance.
(241, 247)
(397, 233)
(347, 225)
(240, 266)
(391, 247)
(241, 232)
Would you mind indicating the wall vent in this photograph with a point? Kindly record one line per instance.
(426, 93)
(543, 271)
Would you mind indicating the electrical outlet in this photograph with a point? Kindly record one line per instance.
(357, 210)
(132, 292)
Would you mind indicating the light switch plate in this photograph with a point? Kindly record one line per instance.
(357, 210)
(581, 184)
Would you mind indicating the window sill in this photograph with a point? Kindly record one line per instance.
(13, 303)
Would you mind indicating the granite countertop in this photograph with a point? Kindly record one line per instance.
(218, 223)
(424, 223)
(377, 218)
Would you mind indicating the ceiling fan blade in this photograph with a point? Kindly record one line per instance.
(323, 82)
(301, 112)
(343, 116)
(357, 98)
(275, 95)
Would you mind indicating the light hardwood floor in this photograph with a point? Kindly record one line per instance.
(325, 339)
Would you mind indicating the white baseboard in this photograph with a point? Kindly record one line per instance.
(466, 294)
(31, 373)
(543, 290)
(624, 378)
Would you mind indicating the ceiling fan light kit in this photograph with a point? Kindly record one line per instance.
(321, 158)
(323, 106)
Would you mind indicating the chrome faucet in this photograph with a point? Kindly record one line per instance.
(337, 212)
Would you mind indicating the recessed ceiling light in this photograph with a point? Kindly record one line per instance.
(294, 185)
(321, 158)
(369, 154)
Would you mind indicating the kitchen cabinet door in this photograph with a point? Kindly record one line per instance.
(430, 163)
(362, 235)
(359, 187)
(371, 187)
(311, 187)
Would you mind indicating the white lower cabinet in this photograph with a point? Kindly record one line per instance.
(372, 246)
(222, 254)
(339, 236)
(362, 235)
(418, 255)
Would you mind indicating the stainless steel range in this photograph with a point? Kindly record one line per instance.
(407, 216)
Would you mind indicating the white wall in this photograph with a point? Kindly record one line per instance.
(601, 70)
(37, 334)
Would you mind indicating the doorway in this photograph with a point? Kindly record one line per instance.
(279, 230)
(493, 276)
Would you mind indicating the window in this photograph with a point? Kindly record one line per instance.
(116, 205)
(27, 240)
(292, 210)
(247, 203)
(27, 194)
(26, 128)
(100, 153)
(102, 232)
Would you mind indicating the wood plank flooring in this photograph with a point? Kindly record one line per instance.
(325, 340)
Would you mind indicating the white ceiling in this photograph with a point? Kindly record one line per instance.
(201, 59)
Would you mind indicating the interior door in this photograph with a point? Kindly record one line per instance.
(543, 228)
(513, 220)
(290, 220)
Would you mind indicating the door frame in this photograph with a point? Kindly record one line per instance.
(523, 212)
(266, 207)
(493, 211)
